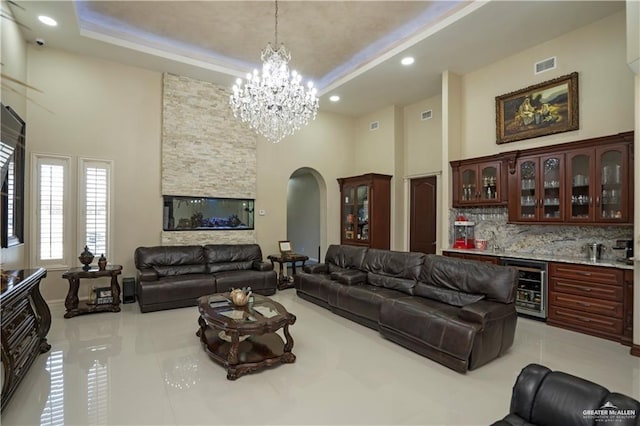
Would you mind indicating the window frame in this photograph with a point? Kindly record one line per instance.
(83, 163)
(36, 161)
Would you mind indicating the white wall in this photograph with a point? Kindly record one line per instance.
(13, 55)
(99, 109)
(323, 146)
(423, 138)
(597, 52)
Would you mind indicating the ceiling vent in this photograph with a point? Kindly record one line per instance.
(374, 125)
(544, 65)
(426, 115)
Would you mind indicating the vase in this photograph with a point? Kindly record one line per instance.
(86, 257)
(102, 263)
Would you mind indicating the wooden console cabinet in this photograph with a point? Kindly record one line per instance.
(592, 300)
(26, 320)
(365, 210)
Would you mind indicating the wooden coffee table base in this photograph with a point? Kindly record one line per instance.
(253, 354)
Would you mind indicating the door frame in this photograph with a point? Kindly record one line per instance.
(407, 209)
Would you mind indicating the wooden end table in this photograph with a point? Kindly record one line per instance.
(283, 259)
(72, 303)
(243, 338)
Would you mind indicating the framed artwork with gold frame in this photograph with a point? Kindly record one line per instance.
(539, 110)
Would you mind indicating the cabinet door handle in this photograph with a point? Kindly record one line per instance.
(597, 201)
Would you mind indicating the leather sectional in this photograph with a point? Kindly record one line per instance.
(459, 313)
(544, 397)
(176, 276)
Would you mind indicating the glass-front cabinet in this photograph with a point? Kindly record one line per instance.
(366, 210)
(598, 181)
(478, 184)
(539, 191)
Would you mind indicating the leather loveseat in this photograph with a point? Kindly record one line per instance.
(459, 313)
(176, 276)
(544, 397)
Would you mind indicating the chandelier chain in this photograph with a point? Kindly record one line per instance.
(276, 24)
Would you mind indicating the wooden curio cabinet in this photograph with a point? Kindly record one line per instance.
(478, 182)
(588, 182)
(537, 190)
(598, 184)
(365, 210)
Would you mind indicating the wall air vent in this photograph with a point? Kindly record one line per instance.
(374, 125)
(544, 65)
(426, 115)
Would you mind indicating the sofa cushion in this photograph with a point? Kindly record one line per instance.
(400, 284)
(316, 285)
(361, 300)
(349, 276)
(257, 280)
(452, 297)
(497, 283)
(395, 264)
(171, 260)
(430, 323)
(231, 257)
(345, 257)
(171, 270)
(180, 287)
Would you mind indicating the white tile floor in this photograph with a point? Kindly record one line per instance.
(149, 369)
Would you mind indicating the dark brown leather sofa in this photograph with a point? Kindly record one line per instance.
(459, 313)
(176, 276)
(553, 398)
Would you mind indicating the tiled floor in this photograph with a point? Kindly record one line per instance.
(149, 369)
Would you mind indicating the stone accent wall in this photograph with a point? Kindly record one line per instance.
(559, 240)
(205, 152)
(178, 238)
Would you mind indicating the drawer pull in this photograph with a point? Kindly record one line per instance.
(583, 319)
(584, 289)
(586, 274)
(585, 304)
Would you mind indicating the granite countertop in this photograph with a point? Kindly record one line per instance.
(547, 258)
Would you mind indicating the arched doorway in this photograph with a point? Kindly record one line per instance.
(306, 213)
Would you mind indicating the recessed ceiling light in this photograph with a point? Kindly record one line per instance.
(47, 20)
(407, 61)
(334, 98)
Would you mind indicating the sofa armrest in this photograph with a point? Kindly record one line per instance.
(350, 277)
(485, 311)
(318, 268)
(261, 266)
(147, 274)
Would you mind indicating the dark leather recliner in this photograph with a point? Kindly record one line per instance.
(176, 276)
(542, 397)
(459, 313)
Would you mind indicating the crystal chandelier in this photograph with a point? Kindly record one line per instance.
(274, 103)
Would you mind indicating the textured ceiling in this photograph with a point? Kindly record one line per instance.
(326, 38)
(349, 48)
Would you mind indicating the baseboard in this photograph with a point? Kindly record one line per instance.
(635, 350)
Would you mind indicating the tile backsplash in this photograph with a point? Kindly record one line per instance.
(559, 240)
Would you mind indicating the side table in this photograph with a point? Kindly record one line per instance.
(72, 303)
(283, 259)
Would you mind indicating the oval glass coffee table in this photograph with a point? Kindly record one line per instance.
(243, 338)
